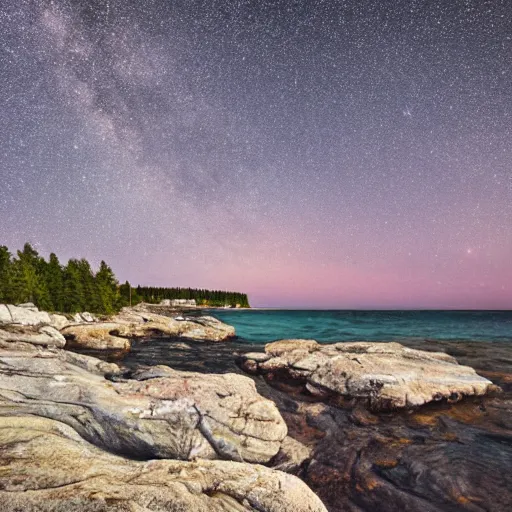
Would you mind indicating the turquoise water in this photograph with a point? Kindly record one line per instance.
(261, 326)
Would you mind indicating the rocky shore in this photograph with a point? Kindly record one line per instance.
(78, 433)
(360, 426)
(383, 376)
(83, 330)
(452, 454)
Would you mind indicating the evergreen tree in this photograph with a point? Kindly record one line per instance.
(5, 274)
(73, 289)
(124, 294)
(55, 282)
(28, 283)
(107, 289)
(91, 298)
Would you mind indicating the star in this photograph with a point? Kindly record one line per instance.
(194, 146)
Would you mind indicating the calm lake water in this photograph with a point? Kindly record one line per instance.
(262, 326)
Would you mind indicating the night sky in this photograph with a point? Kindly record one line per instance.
(338, 154)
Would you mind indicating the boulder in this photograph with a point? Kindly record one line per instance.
(28, 305)
(98, 336)
(59, 321)
(47, 467)
(87, 317)
(86, 331)
(159, 413)
(383, 375)
(139, 322)
(292, 455)
(23, 315)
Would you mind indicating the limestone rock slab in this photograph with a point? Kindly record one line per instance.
(159, 413)
(47, 467)
(385, 375)
(43, 336)
(22, 315)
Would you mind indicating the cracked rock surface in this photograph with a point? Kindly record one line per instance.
(164, 414)
(443, 456)
(23, 314)
(47, 466)
(25, 323)
(141, 321)
(383, 375)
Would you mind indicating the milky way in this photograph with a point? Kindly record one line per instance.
(310, 153)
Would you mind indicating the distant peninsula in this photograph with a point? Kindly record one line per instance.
(75, 287)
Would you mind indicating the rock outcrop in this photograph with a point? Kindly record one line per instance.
(98, 336)
(445, 456)
(383, 375)
(59, 321)
(44, 335)
(139, 322)
(81, 434)
(158, 413)
(24, 314)
(84, 317)
(26, 323)
(142, 321)
(47, 467)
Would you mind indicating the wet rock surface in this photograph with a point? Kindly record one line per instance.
(440, 456)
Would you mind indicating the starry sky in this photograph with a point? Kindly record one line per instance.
(311, 153)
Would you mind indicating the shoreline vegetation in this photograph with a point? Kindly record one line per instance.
(76, 287)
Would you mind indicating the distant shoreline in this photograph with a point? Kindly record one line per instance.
(360, 309)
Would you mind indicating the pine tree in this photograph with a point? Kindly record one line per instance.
(55, 282)
(92, 301)
(42, 297)
(28, 283)
(73, 289)
(125, 295)
(107, 289)
(5, 274)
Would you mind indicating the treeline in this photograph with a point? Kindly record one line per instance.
(202, 297)
(76, 287)
(51, 286)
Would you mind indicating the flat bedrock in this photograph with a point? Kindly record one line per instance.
(385, 376)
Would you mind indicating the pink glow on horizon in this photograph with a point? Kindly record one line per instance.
(305, 284)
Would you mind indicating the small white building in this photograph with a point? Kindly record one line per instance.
(179, 302)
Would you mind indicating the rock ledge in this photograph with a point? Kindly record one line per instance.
(383, 375)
